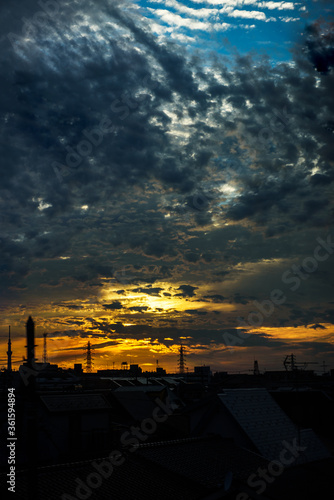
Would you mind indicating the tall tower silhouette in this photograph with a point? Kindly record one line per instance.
(45, 353)
(89, 359)
(9, 353)
(256, 370)
(290, 362)
(181, 359)
(30, 327)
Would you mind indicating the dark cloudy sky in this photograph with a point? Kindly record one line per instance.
(167, 175)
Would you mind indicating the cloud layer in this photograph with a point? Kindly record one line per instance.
(165, 188)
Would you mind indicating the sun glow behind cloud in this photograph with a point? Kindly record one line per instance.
(108, 353)
(215, 181)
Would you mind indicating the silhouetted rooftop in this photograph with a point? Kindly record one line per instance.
(74, 402)
(266, 424)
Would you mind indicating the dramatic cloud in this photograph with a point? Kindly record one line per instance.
(187, 291)
(115, 305)
(149, 183)
(320, 46)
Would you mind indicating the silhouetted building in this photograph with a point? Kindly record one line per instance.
(30, 328)
(201, 374)
(135, 370)
(78, 369)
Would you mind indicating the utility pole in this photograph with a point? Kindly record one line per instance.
(89, 359)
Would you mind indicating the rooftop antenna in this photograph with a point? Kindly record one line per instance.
(291, 364)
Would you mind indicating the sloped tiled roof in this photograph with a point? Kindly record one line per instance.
(138, 404)
(315, 450)
(141, 388)
(267, 425)
(206, 460)
(186, 469)
(135, 479)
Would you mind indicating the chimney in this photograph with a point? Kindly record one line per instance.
(30, 326)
